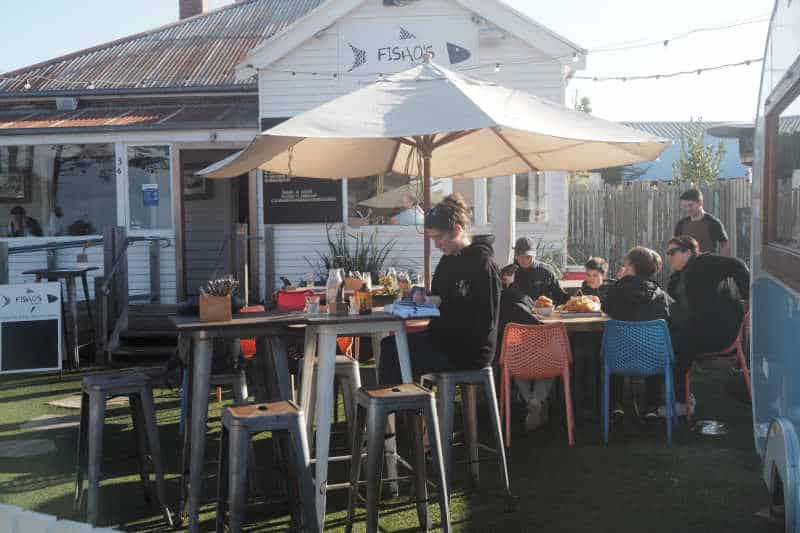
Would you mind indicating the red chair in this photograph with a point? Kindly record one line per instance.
(734, 350)
(535, 352)
(248, 346)
(292, 300)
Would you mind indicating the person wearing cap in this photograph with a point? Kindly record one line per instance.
(533, 277)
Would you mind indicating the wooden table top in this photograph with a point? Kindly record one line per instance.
(578, 324)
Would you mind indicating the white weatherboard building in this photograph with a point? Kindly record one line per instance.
(112, 135)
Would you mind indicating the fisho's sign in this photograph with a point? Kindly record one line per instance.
(374, 45)
(30, 301)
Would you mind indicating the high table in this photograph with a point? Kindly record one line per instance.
(195, 339)
(321, 333)
(69, 275)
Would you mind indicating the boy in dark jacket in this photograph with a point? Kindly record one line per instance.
(533, 277)
(596, 282)
(517, 307)
(636, 297)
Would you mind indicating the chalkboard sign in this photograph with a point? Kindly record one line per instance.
(290, 200)
(30, 327)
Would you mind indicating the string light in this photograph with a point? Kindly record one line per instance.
(670, 74)
(27, 85)
(497, 67)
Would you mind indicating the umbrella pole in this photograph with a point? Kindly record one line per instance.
(427, 150)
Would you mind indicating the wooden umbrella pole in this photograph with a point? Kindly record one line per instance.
(426, 148)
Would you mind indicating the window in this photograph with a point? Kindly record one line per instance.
(56, 190)
(530, 201)
(150, 191)
(396, 198)
(781, 250)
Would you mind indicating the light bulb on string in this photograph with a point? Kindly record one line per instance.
(91, 86)
(27, 85)
(497, 67)
(574, 57)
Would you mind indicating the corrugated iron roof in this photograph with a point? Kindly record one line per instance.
(153, 117)
(198, 52)
(670, 130)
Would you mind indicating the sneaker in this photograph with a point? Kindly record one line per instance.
(537, 415)
(680, 408)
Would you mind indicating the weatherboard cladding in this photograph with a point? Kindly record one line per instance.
(200, 51)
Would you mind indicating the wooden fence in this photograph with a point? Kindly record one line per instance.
(607, 221)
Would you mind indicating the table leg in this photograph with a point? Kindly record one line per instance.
(201, 377)
(72, 301)
(403, 354)
(376, 353)
(309, 358)
(86, 299)
(325, 377)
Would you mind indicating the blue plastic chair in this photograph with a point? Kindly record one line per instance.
(638, 349)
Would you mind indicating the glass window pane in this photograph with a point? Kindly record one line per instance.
(531, 201)
(150, 191)
(397, 199)
(55, 190)
(787, 180)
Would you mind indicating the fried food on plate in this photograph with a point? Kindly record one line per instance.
(543, 301)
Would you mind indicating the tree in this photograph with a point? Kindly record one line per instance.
(584, 105)
(698, 163)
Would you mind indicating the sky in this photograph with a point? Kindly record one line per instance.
(726, 95)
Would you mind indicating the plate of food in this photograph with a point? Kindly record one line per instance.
(581, 306)
(543, 306)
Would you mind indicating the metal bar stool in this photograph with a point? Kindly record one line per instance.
(239, 424)
(374, 405)
(469, 380)
(95, 390)
(347, 379)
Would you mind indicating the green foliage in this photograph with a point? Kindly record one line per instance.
(550, 255)
(351, 251)
(698, 163)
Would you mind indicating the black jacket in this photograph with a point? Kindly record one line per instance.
(469, 286)
(635, 299)
(515, 307)
(601, 291)
(539, 280)
(708, 294)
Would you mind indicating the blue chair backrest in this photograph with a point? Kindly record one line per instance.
(637, 348)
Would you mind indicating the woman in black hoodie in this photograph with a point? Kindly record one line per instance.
(464, 336)
(636, 297)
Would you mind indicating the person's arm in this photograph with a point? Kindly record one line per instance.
(723, 267)
(718, 234)
(558, 295)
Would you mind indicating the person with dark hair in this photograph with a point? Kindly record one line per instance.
(467, 281)
(516, 307)
(533, 277)
(704, 227)
(596, 283)
(707, 291)
(21, 225)
(636, 297)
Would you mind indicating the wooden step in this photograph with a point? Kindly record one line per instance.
(143, 352)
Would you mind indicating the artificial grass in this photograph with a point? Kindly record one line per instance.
(634, 484)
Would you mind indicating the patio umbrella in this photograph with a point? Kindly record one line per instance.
(394, 197)
(438, 123)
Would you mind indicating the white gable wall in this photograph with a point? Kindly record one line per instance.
(284, 94)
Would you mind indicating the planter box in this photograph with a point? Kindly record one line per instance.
(215, 308)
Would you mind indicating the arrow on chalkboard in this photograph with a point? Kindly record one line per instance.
(51, 299)
(5, 299)
(457, 54)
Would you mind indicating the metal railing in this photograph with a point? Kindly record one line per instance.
(123, 255)
(52, 246)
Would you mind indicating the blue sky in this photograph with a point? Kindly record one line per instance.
(29, 36)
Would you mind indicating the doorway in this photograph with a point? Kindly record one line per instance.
(211, 209)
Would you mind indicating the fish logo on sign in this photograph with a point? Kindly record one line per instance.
(405, 34)
(4, 300)
(359, 57)
(457, 54)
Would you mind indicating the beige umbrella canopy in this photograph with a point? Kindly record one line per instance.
(394, 197)
(433, 122)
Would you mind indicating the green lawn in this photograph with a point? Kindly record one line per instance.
(635, 484)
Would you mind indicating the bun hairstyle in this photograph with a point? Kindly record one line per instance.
(445, 215)
(645, 261)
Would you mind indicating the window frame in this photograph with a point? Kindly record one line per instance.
(779, 260)
(125, 184)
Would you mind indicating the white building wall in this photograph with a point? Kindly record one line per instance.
(288, 87)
